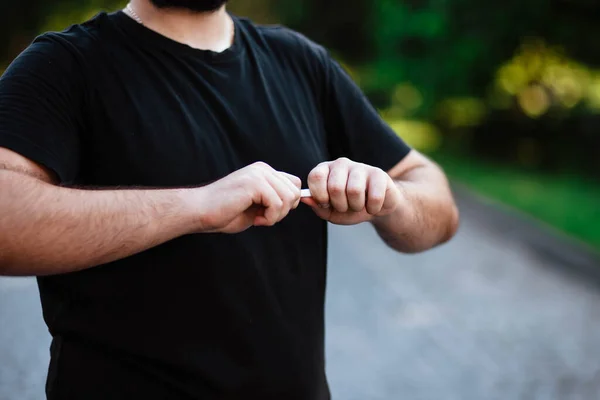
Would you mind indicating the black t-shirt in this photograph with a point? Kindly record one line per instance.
(110, 103)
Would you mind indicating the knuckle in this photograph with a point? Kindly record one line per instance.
(356, 207)
(354, 191)
(376, 199)
(294, 196)
(261, 165)
(318, 174)
(253, 175)
(336, 189)
(341, 207)
(289, 200)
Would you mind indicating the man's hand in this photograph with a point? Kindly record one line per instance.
(345, 192)
(256, 195)
(47, 229)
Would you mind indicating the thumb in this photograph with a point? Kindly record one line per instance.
(322, 212)
(309, 201)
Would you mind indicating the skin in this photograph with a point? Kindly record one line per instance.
(48, 229)
(411, 206)
(86, 228)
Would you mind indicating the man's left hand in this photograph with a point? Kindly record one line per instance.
(345, 192)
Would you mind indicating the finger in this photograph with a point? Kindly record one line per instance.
(317, 183)
(309, 201)
(356, 189)
(322, 212)
(255, 211)
(284, 191)
(270, 200)
(336, 185)
(376, 190)
(297, 182)
(294, 183)
(393, 196)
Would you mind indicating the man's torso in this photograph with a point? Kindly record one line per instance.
(207, 315)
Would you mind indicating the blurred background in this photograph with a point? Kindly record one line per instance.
(505, 96)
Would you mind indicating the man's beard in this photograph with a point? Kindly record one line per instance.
(190, 5)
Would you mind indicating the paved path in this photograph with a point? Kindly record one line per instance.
(483, 318)
(24, 341)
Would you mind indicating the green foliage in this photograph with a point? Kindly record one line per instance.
(567, 202)
(70, 12)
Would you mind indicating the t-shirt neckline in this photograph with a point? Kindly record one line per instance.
(154, 39)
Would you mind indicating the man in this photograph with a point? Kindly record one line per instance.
(152, 161)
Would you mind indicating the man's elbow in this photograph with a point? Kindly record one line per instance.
(446, 232)
(7, 264)
(452, 225)
(10, 262)
(4, 265)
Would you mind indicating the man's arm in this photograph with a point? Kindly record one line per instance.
(409, 201)
(426, 215)
(47, 229)
(411, 206)
(50, 230)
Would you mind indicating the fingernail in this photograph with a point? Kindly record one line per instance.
(324, 205)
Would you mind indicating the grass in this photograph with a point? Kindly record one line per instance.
(566, 202)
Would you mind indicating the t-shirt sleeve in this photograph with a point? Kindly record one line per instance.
(40, 107)
(354, 127)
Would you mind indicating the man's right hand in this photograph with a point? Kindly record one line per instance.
(46, 229)
(256, 195)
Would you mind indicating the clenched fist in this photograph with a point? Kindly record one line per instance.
(256, 195)
(345, 192)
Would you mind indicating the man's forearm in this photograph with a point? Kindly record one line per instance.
(428, 215)
(45, 229)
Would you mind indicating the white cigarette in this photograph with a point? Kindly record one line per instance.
(305, 193)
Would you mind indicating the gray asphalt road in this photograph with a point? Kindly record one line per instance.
(485, 317)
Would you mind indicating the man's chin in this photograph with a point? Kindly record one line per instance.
(190, 5)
